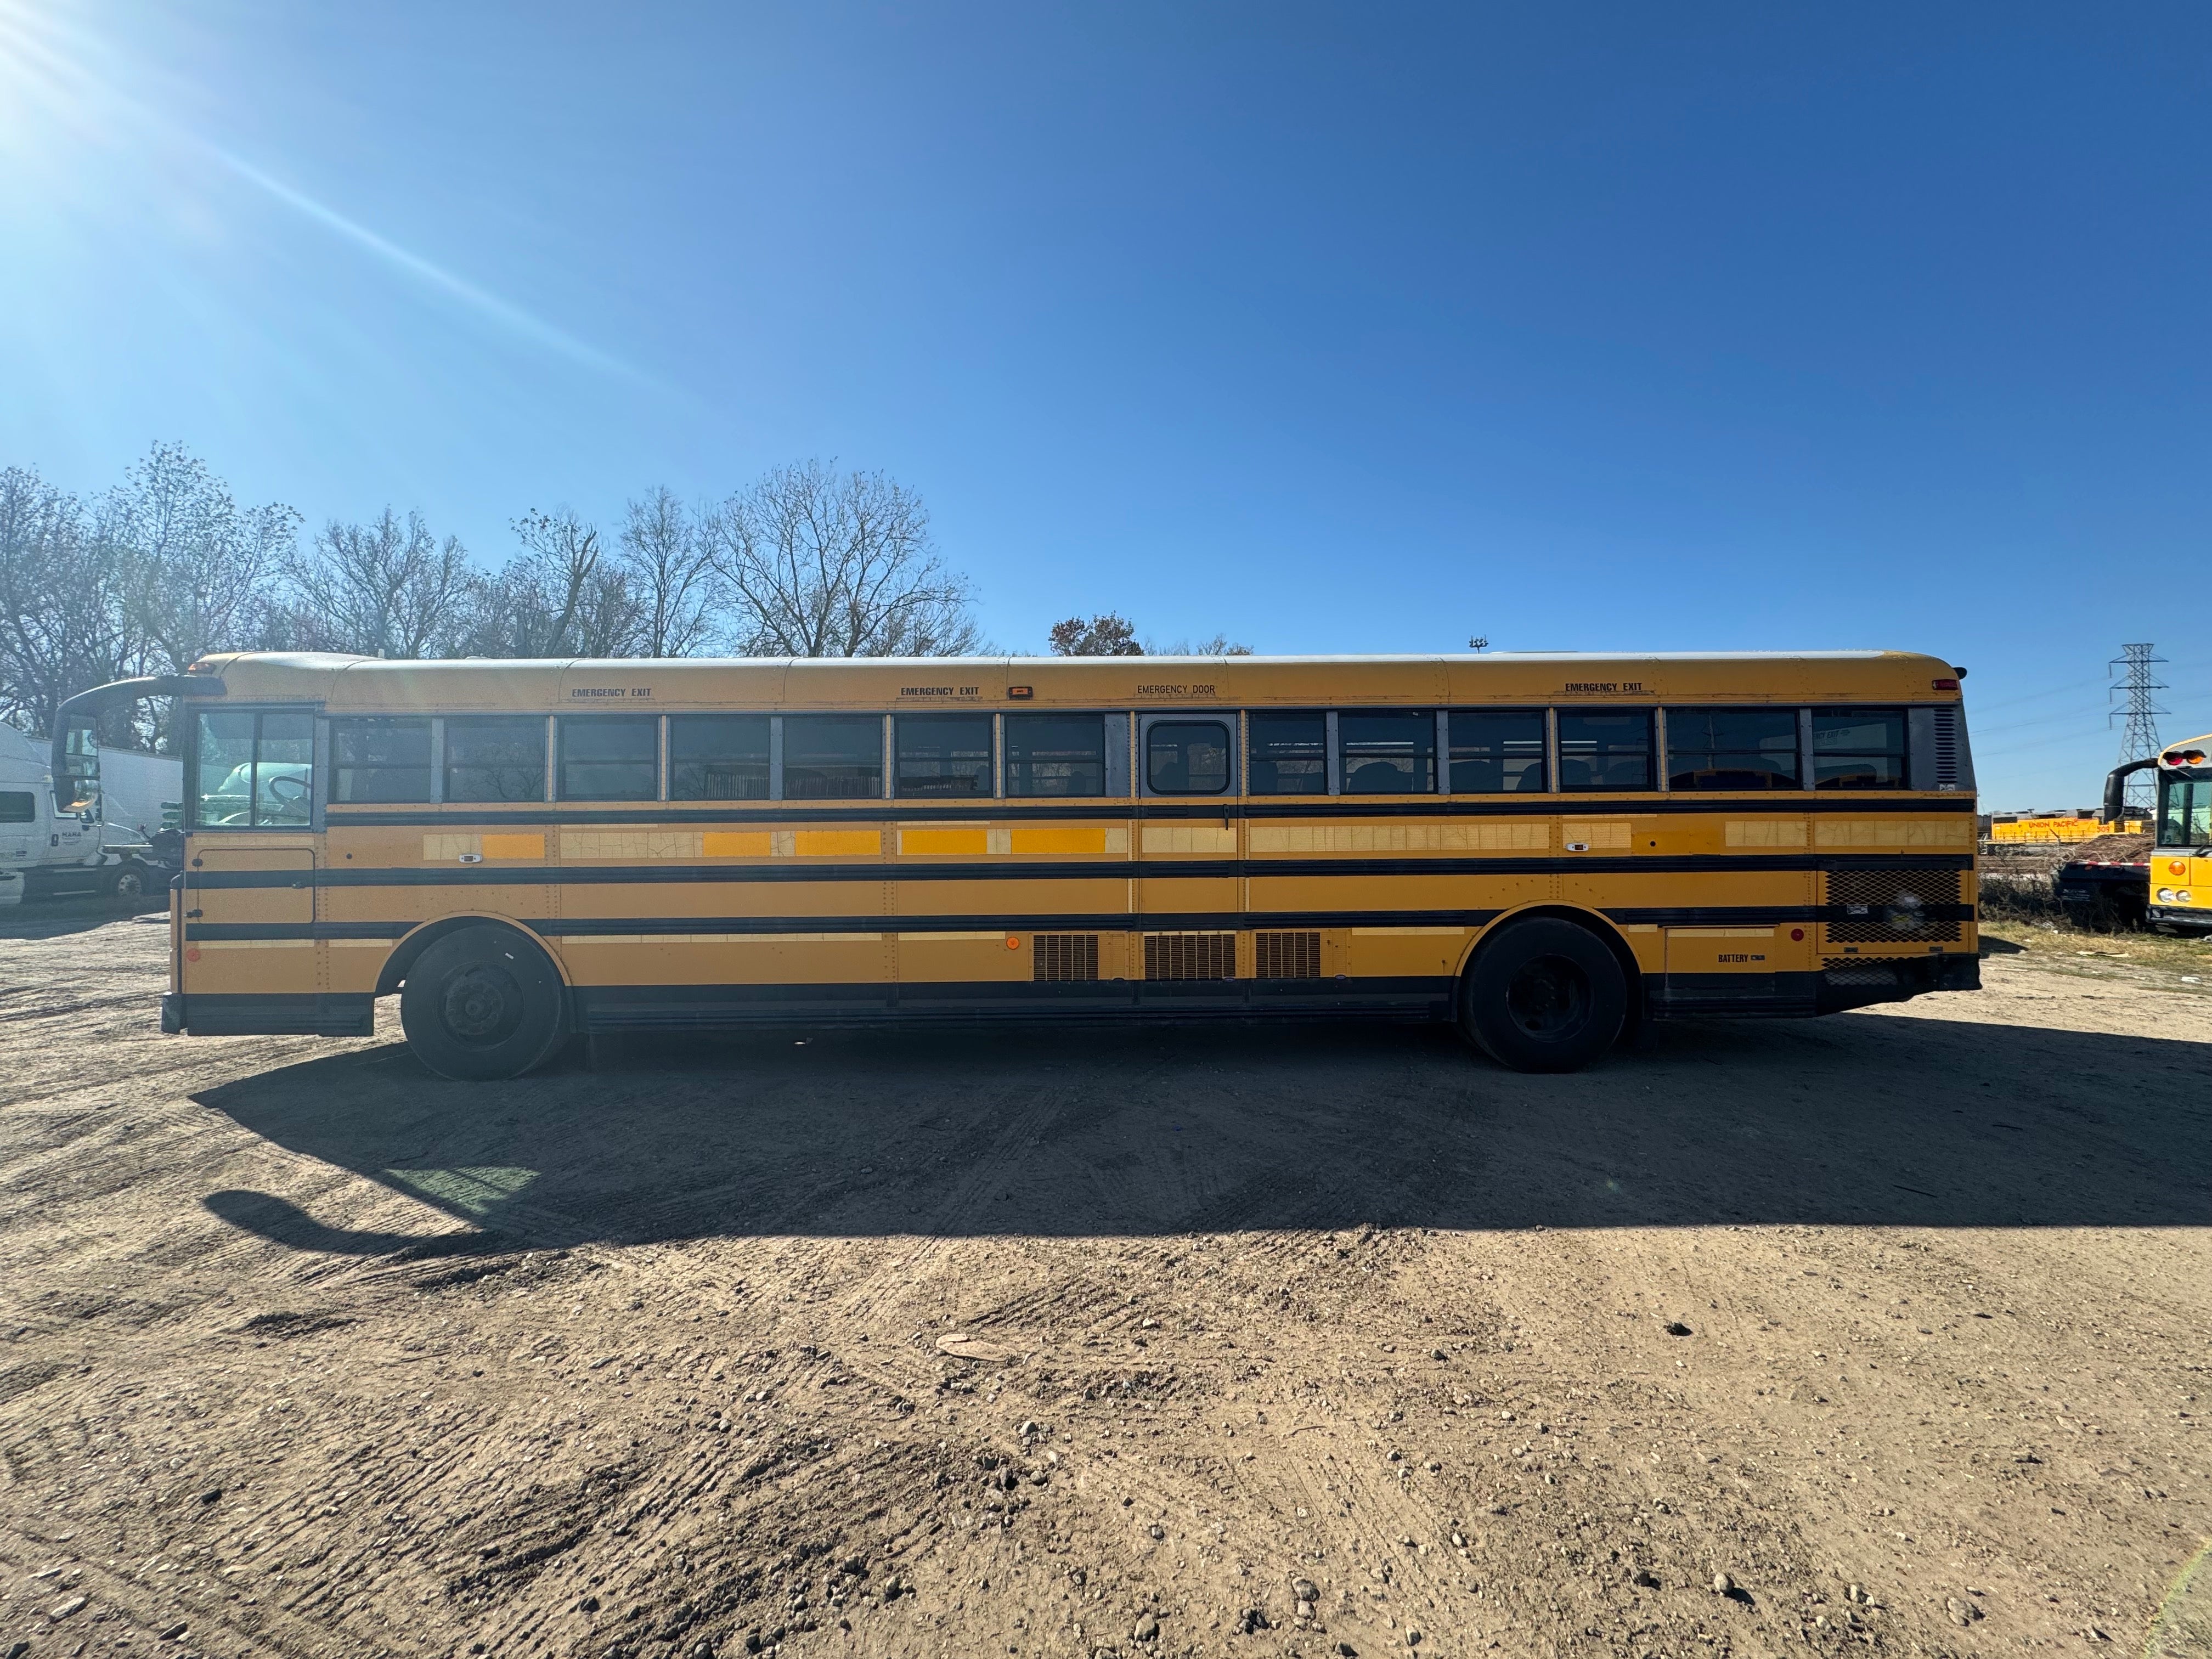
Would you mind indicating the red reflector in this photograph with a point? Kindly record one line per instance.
(1945, 686)
(1020, 691)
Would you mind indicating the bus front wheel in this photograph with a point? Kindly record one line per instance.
(480, 1003)
(1543, 995)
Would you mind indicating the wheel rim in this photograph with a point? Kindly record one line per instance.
(1549, 998)
(482, 1004)
(128, 887)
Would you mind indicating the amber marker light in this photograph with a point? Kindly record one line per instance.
(1020, 692)
(1012, 944)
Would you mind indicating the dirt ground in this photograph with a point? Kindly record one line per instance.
(1888, 1330)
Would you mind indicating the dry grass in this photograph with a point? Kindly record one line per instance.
(2060, 944)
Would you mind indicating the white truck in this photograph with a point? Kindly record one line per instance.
(54, 842)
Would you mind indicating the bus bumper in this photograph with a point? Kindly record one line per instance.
(2179, 920)
(173, 1013)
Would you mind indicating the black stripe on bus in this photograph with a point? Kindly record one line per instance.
(623, 875)
(785, 813)
(1118, 921)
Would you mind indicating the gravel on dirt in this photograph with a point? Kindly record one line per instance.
(1890, 1331)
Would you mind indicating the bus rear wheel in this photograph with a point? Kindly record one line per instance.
(481, 1003)
(1543, 995)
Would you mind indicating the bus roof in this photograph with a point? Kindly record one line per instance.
(369, 685)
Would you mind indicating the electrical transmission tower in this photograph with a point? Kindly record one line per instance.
(2139, 737)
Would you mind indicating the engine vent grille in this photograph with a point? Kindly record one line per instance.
(1190, 955)
(1856, 971)
(1287, 956)
(1893, 906)
(1065, 956)
(1947, 747)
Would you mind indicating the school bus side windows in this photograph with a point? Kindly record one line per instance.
(833, 757)
(1288, 754)
(495, 757)
(943, 755)
(718, 756)
(1497, 751)
(1732, 748)
(379, 758)
(1605, 748)
(1187, 757)
(1387, 752)
(1055, 755)
(1858, 748)
(610, 757)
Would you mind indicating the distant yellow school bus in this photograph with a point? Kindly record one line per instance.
(1543, 849)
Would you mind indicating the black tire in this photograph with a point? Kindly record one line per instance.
(128, 883)
(1543, 995)
(482, 1003)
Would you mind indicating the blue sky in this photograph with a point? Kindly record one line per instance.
(1350, 328)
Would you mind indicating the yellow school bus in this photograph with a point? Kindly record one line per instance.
(1544, 850)
(2177, 892)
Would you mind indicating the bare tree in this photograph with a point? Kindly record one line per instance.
(1219, 646)
(818, 564)
(1106, 634)
(666, 558)
(383, 589)
(1110, 633)
(560, 596)
(203, 567)
(67, 619)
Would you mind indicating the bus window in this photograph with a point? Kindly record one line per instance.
(717, 757)
(1732, 748)
(380, 760)
(1497, 751)
(255, 769)
(1288, 753)
(1387, 752)
(1605, 748)
(943, 755)
(833, 757)
(609, 757)
(492, 758)
(2185, 811)
(1187, 758)
(1858, 748)
(1055, 755)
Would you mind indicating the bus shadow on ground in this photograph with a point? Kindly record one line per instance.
(43, 918)
(1857, 1120)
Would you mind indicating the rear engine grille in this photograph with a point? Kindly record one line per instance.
(1065, 956)
(1190, 955)
(1893, 906)
(1287, 956)
(1856, 971)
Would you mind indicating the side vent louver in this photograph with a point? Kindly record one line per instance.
(1947, 747)
(1065, 956)
(1287, 956)
(1190, 955)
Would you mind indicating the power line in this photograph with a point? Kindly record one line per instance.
(2139, 737)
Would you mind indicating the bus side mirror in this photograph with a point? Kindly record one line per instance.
(2116, 788)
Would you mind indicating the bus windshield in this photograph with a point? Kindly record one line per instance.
(2184, 810)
